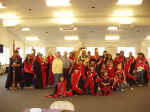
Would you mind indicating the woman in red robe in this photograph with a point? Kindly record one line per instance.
(28, 71)
(50, 77)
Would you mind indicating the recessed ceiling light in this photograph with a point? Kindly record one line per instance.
(32, 38)
(112, 28)
(74, 37)
(58, 3)
(130, 2)
(112, 37)
(123, 13)
(9, 22)
(2, 6)
(25, 29)
(8, 16)
(123, 20)
(65, 21)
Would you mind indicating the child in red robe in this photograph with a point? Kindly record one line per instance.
(91, 85)
(105, 84)
(61, 89)
(120, 78)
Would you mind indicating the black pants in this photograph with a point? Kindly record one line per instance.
(28, 78)
(67, 77)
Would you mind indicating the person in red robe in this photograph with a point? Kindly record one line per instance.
(121, 58)
(28, 71)
(78, 78)
(61, 89)
(116, 60)
(120, 78)
(131, 57)
(91, 85)
(40, 72)
(50, 77)
(105, 84)
(142, 69)
(128, 72)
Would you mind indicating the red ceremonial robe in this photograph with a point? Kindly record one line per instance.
(90, 82)
(43, 68)
(145, 68)
(110, 70)
(76, 78)
(28, 67)
(127, 66)
(51, 77)
(62, 90)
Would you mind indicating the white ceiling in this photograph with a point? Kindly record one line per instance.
(92, 23)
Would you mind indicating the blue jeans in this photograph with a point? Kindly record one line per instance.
(56, 78)
(140, 77)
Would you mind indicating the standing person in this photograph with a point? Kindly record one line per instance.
(84, 58)
(38, 71)
(66, 64)
(50, 77)
(131, 57)
(104, 56)
(14, 76)
(28, 71)
(131, 80)
(57, 68)
(116, 60)
(89, 55)
(91, 85)
(77, 81)
(122, 57)
(96, 57)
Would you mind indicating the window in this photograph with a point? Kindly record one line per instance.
(21, 53)
(148, 52)
(4, 57)
(127, 50)
(63, 49)
(92, 50)
(37, 49)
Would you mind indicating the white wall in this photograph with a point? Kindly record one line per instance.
(7, 37)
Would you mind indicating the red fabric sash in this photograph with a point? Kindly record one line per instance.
(75, 81)
(51, 76)
(90, 81)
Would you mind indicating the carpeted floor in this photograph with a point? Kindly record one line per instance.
(130, 101)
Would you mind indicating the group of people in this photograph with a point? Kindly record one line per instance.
(79, 73)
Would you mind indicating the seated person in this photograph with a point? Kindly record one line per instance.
(60, 89)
